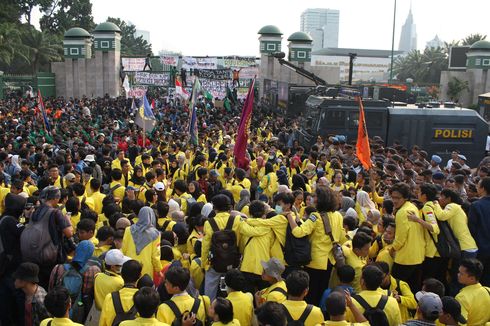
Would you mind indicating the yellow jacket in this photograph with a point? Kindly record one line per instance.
(391, 309)
(97, 198)
(270, 294)
(243, 307)
(278, 224)
(475, 300)
(257, 247)
(296, 309)
(321, 244)
(108, 312)
(269, 184)
(407, 299)
(458, 221)
(409, 237)
(184, 303)
(104, 284)
(143, 322)
(427, 214)
(149, 257)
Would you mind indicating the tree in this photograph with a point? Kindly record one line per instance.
(61, 15)
(10, 43)
(130, 45)
(422, 67)
(456, 87)
(41, 48)
(470, 39)
(10, 11)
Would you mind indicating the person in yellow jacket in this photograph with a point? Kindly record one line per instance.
(131, 273)
(371, 280)
(398, 290)
(110, 280)
(474, 298)
(268, 184)
(434, 265)
(276, 291)
(449, 209)
(322, 258)
(242, 302)
(96, 196)
(146, 302)
(222, 207)
(176, 281)
(409, 244)
(142, 242)
(337, 304)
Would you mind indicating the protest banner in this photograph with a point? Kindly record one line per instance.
(199, 63)
(238, 62)
(170, 60)
(133, 64)
(137, 92)
(249, 73)
(155, 79)
(216, 87)
(217, 74)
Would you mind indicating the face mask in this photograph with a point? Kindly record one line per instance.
(278, 209)
(312, 201)
(271, 157)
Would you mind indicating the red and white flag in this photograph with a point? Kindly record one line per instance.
(179, 90)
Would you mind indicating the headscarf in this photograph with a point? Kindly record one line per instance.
(244, 199)
(347, 203)
(173, 206)
(207, 209)
(364, 202)
(144, 232)
(83, 253)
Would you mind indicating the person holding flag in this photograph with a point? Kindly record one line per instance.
(145, 118)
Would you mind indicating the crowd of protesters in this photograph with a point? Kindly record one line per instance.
(102, 225)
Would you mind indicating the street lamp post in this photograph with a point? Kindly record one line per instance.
(393, 43)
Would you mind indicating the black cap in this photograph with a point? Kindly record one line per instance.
(451, 306)
(27, 272)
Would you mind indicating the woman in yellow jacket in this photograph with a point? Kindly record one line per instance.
(322, 258)
(196, 192)
(268, 185)
(141, 242)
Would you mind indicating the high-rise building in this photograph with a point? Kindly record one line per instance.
(323, 27)
(435, 43)
(408, 36)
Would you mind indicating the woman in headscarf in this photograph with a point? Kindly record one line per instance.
(242, 205)
(363, 205)
(138, 179)
(141, 242)
(346, 203)
(299, 184)
(196, 192)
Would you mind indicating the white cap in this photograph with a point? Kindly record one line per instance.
(159, 186)
(115, 257)
(89, 158)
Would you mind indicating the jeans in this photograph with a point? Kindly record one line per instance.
(211, 283)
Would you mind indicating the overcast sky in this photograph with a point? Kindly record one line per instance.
(230, 27)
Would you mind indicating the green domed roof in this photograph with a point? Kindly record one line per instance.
(270, 30)
(300, 37)
(77, 32)
(107, 27)
(481, 45)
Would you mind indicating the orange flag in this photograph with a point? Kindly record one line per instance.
(362, 146)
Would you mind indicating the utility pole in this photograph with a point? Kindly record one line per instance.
(393, 43)
(352, 57)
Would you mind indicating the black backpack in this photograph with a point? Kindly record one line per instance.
(297, 251)
(224, 249)
(302, 319)
(121, 315)
(447, 245)
(375, 315)
(178, 315)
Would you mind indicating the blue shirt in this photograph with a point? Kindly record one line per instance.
(327, 292)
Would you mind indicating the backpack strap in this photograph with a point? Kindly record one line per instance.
(174, 308)
(280, 290)
(229, 224)
(195, 306)
(114, 188)
(379, 241)
(362, 302)
(165, 224)
(305, 314)
(50, 322)
(213, 224)
(116, 301)
(382, 302)
(398, 288)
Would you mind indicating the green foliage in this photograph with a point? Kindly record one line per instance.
(130, 45)
(41, 48)
(456, 87)
(470, 39)
(61, 15)
(422, 67)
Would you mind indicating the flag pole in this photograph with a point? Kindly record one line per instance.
(144, 136)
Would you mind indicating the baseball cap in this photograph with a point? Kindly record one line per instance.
(273, 267)
(115, 257)
(89, 158)
(461, 156)
(70, 177)
(436, 158)
(453, 307)
(159, 186)
(429, 303)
